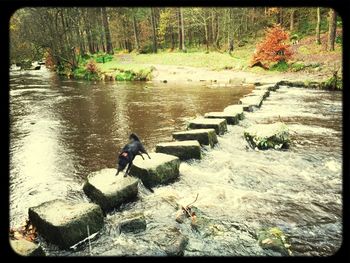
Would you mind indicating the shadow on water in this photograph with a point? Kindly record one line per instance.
(61, 130)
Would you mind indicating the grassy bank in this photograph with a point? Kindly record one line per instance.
(308, 57)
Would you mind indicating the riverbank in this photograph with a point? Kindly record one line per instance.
(310, 63)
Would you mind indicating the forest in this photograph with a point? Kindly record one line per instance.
(68, 38)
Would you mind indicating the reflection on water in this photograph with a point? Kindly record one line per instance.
(63, 130)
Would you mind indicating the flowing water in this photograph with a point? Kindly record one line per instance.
(61, 130)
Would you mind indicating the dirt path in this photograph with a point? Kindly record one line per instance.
(181, 74)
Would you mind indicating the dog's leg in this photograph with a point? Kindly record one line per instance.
(148, 155)
(141, 155)
(127, 170)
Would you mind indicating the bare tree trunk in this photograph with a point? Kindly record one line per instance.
(291, 27)
(318, 38)
(213, 32)
(172, 36)
(182, 30)
(107, 32)
(179, 28)
(154, 31)
(332, 29)
(206, 36)
(102, 33)
(217, 33)
(136, 36)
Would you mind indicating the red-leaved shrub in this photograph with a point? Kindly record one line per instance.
(91, 67)
(273, 48)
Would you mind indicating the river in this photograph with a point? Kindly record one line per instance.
(62, 130)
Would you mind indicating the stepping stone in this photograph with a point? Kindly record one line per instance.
(265, 136)
(251, 102)
(134, 223)
(269, 87)
(65, 224)
(230, 118)
(26, 248)
(185, 150)
(108, 190)
(203, 136)
(219, 125)
(236, 110)
(263, 93)
(160, 169)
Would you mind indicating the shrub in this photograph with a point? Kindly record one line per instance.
(91, 67)
(297, 67)
(104, 58)
(89, 72)
(280, 66)
(129, 75)
(273, 48)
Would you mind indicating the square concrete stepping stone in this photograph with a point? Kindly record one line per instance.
(251, 102)
(236, 110)
(219, 125)
(230, 118)
(160, 169)
(65, 224)
(265, 136)
(263, 93)
(26, 248)
(269, 87)
(203, 136)
(185, 150)
(108, 190)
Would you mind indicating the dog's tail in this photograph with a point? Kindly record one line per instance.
(134, 137)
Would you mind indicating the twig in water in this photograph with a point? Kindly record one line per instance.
(193, 201)
(187, 208)
(88, 232)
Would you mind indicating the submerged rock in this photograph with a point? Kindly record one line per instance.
(26, 248)
(108, 190)
(185, 150)
(251, 102)
(65, 224)
(265, 136)
(274, 239)
(135, 223)
(203, 136)
(219, 125)
(230, 118)
(172, 241)
(160, 169)
(236, 110)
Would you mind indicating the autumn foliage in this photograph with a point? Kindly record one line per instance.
(91, 67)
(27, 231)
(273, 48)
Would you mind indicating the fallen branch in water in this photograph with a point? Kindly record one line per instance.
(186, 210)
(90, 237)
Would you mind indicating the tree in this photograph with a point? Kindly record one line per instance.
(332, 29)
(107, 32)
(136, 35)
(182, 30)
(273, 48)
(292, 14)
(154, 30)
(318, 25)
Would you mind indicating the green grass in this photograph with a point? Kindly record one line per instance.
(214, 60)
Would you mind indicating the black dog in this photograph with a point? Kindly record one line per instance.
(129, 152)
